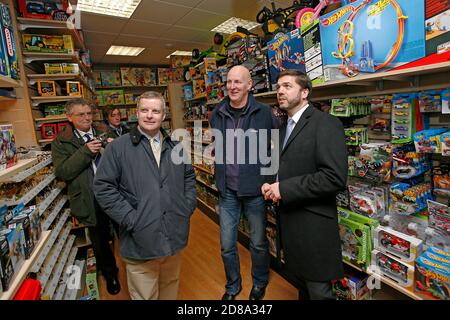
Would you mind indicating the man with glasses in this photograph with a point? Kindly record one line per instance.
(76, 154)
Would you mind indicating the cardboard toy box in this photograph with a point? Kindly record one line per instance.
(373, 43)
(6, 267)
(47, 43)
(393, 269)
(437, 24)
(313, 53)
(110, 97)
(51, 10)
(432, 278)
(9, 40)
(352, 287)
(163, 76)
(286, 52)
(53, 68)
(8, 156)
(355, 242)
(134, 77)
(180, 61)
(397, 244)
(110, 78)
(131, 98)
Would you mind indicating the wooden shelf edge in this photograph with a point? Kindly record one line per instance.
(21, 274)
(7, 82)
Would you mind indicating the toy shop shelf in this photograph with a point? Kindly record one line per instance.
(434, 76)
(9, 174)
(40, 121)
(207, 185)
(202, 120)
(131, 87)
(32, 193)
(206, 205)
(45, 141)
(82, 243)
(23, 272)
(54, 28)
(202, 169)
(353, 266)
(397, 287)
(62, 76)
(4, 98)
(197, 98)
(38, 100)
(7, 82)
(44, 56)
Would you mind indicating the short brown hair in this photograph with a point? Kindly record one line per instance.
(152, 95)
(76, 102)
(108, 111)
(300, 77)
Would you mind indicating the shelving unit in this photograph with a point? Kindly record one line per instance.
(9, 174)
(25, 269)
(7, 82)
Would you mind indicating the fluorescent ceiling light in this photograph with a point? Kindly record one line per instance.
(118, 8)
(180, 53)
(230, 25)
(124, 51)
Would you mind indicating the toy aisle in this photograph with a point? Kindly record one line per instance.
(380, 66)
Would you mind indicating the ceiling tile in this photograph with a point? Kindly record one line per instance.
(144, 29)
(186, 3)
(157, 11)
(231, 7)
(96, 38)
(134, 41)
(201, 19)
(116, 59)
(101, 23)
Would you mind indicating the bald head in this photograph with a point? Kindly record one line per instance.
(239, 84)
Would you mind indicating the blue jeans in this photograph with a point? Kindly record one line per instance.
(230, 206)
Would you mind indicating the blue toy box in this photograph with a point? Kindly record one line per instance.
(366, 37)
(285, 52)
(9, 41)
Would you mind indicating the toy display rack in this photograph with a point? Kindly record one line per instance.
(53, 27)
(434, 76)
(7, 174)
(7, 82)
(36, 100)
(23, 272)
(131, 87)
(30, 57)
(32, 78)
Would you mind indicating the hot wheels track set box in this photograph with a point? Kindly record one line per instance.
(368, 36)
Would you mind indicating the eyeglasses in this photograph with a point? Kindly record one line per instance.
(83, 114)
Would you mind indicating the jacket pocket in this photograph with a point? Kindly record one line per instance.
(176, 228)
(78, 208)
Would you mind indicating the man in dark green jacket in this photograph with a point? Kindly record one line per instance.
(76, 153)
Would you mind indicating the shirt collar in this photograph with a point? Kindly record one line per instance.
(90, 132)
(298, 114)
(156, 138)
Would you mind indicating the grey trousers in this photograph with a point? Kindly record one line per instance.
(310, 290)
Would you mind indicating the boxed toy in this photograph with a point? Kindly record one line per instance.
(437, 258)
(163, 76)
(355, 242)
(137, 77)
(397, 244)
(46, 88)
(439, 217)
(352, 287)
(432, 279)
(177, 75)
(6, 267)
(14, 236)
(131, 98)
(440, 252)
(3, 58)
(393, 269)
(48, 43)
(53, 68)
(199, 88)
(24, 221)
(429, 141)
(110, 97)
(70, 68)
(8, 156)
(285, 52)
(188, 92)
(371, 36)
(43, 9)
(73, 88)
(374, 162)
(313, 53)
(445, 101)
(180, 61)
(437, 24)
(110, 78)
(9, 40)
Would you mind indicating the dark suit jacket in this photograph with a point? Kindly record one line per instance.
(313, 167)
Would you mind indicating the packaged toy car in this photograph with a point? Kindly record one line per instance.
(393, 269)
(52, 10)
(8, 152)
(430, 101)
(374, 162)
(48, 43)
(352, 287)
(397, 244)
(432, 279)
(429, 141)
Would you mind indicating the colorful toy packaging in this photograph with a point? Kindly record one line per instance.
(437, 24)
(369, 36)
(188, 92)
(367, 201)
(52, 10)
(110, 97)
(137, 77)
(374, 162)
(432, 278)
(393, 269)
(407, 198)
(441, 180)
(6, 267)
(397, 244)
(429, 141)
(408, 164)
(402, 118)
(9, 41)
(352, 287)
(430, 101)
(313, 53)
(439, 217)
(380, 118)
(445, 94)
(163, 76)
(48, 43)
(8, 156)
(285, 52)
(356, 136)
(350, 107)
(110, 78)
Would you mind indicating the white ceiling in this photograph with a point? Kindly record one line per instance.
(164, 26)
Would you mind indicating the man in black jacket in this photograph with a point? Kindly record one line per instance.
(152, 199)
(239, 179)
(312, 169)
